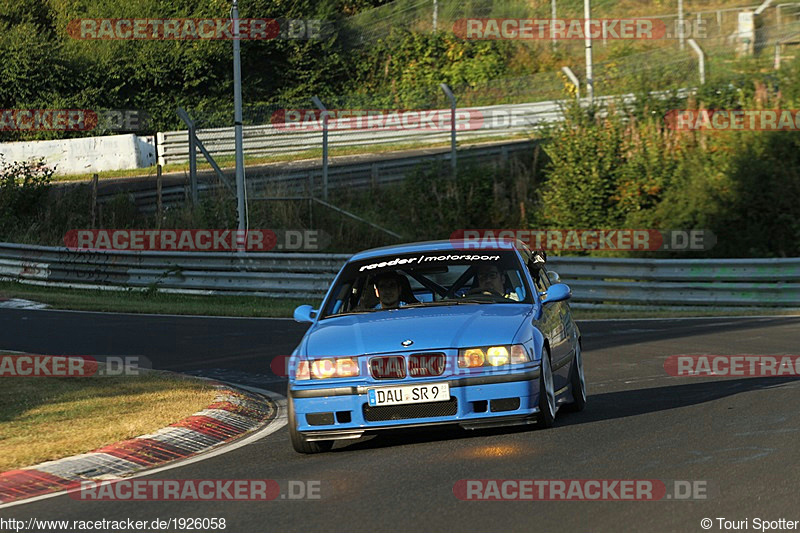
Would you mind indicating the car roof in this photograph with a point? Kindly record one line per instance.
(461, 245)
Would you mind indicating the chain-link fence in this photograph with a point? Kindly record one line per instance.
(283, 133)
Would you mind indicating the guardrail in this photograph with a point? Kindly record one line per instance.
(709, 282)
(305, 177)
(499, 121)
(281, 139)
(654, 282)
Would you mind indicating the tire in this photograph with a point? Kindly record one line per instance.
(299, 442)
(547, 395)
(577, 383)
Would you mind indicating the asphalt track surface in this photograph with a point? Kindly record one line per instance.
(738, 436)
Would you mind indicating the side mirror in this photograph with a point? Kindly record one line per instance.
(556, 293)
(554, 277)
(305, 313)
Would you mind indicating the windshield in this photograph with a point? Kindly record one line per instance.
(429, 279)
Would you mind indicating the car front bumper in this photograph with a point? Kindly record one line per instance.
(342, 412)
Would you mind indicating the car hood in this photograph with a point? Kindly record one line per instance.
(428, 328)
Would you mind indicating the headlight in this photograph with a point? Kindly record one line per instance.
(493, 356)
(497, 355)
(339, 367)
(471, 357)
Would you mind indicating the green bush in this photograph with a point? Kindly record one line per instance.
(628, 170)
(22, 188)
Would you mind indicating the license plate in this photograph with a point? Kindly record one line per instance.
(430, 392)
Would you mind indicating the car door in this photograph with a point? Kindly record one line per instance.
(556, 321)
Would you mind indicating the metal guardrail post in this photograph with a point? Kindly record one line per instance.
(453, 152)
(317, 102)
(701, 59)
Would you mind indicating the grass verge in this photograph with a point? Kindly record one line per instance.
(590, 314)
(130, 301)
(43, 419)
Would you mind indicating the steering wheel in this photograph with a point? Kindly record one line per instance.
(485, 292)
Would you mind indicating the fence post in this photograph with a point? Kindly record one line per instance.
(184, 116)
(374, 175)
(95, 177)
(453, 153)
(189, 122)
(587, 15)
(700, 59)
(241, 187)
(159, 200)
(317, 102)
(192, 163)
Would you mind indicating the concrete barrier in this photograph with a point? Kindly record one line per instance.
(86, 154)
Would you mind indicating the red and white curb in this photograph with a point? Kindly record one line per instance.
(232, 415)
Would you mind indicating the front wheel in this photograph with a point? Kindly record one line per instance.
(299, 442)
(547, 395)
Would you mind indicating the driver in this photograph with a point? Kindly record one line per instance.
(387, 289)
(490, 280)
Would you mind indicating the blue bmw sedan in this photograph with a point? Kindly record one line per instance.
(467, 333)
